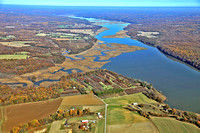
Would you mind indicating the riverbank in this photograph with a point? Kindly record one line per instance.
(168, 53)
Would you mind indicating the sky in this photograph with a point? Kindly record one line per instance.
(105, 2)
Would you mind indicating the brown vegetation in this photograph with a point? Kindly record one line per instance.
(81, 100)
(24, 113)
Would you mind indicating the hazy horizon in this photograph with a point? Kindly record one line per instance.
(124, 3)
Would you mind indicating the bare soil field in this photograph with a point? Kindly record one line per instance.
(24, 113)
(81, 100)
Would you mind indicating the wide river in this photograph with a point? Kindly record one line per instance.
(179, 82)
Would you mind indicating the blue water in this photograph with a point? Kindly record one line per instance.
(23, 84)
(69, 71)
(180, 83)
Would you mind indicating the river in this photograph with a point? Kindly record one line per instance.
(179, 82)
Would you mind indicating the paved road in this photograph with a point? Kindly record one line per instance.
(105, 116)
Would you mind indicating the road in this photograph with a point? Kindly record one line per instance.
(105, 116)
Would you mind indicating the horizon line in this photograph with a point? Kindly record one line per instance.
(93, 5)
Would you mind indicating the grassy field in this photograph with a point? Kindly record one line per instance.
(119, 115)
(17, 43)
(94, 108)
(55, 127)
(121, 120)
(13, 57)
(128, 99)
(146, 127)
(100, 126)
(26, 112)
(41, 34)
(169, 125)
(21, 53)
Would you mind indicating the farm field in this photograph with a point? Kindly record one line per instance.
(1, 117)
(100, 126)
(17, 43)
(24, 113)
(128, 99)
(55, 127)
(81, 100)
(13, 57)
(119, 115)
(121, 120)
(169, 125)
(146, 127)
(94, 108)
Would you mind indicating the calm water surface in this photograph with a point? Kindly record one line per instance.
(180, 83)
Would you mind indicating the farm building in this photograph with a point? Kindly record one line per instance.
(84, 121)
(135, 104)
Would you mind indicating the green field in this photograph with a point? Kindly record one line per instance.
(21, 53)
(13, 57)
(119, 115)
(169, 125)
(18, 43)
(41, 34)
(122, 120)
(128, 99)
(100, 126)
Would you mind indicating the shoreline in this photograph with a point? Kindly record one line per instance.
(179, 59)
(169, 55)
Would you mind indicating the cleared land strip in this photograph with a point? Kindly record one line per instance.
(1, 118)
(106, 105)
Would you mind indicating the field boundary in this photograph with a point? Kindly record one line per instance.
(154, 125)
(1, 123)
(105, 112)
